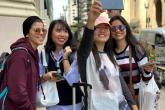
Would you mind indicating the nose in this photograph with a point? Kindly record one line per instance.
(102, 30)
(62, 33)
(41, 32)
(117, 29)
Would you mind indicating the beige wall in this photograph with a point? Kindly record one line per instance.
(135, 10)
(12, 15)
(10, 30)
(17, 8)
(163, 14)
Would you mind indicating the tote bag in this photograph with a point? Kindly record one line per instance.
(47, 94)
(148, 95)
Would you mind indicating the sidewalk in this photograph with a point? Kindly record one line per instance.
(162, 100)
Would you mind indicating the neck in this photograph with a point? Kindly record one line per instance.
(58, 48)
(121, 45)
(100, 46)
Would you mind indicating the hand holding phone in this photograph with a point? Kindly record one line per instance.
(58, 76)
(149, 64)
(149, 67)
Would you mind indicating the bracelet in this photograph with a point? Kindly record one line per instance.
(64, 59)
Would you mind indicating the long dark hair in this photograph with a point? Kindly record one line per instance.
(50, 44)
(136, 46)
(107, 50)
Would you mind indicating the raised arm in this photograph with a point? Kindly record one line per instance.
(87, 40)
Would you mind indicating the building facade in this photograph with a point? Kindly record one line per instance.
(12, 15)
(145, 13)
(78, 11)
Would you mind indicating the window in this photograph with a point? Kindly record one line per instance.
(159, 39)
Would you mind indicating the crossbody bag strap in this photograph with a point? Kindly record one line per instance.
(44, 59)
(131, 86)
(130, 65)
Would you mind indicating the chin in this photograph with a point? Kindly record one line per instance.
(40, 43)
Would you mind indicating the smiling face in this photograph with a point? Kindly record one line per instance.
(37, 34)
(102, 33)
(60, 35)
(118, 30)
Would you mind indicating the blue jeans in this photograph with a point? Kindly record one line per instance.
(128, 108)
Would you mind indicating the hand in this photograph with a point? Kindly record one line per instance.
(67, 52)
(49, 76)
(134, 107)
(149, 67)
(93, 13)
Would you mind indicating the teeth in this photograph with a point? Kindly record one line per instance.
(61, 39)
(118, 34)
(101, 35)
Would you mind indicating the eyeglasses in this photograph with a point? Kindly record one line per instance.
(39, 30)
(120, 27)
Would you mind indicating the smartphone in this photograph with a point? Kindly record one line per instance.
(112, 4)
(58, 76)
(149, 64)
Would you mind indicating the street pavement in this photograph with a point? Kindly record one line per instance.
(161, 101)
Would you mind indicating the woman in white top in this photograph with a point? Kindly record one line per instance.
(97, 65)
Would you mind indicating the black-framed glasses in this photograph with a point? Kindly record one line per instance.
(120, 27)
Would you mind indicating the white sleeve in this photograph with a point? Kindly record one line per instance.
(73, 76)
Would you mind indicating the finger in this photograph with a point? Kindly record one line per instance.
(53, 71)
(96, 5)
(97, 8)
(58, 80)
(50, 78)
(96, 2)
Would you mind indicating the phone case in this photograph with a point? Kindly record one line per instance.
(112, 4)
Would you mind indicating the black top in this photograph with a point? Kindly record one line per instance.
(64, 89)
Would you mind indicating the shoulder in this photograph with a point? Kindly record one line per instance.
(20, 54)
(139, 52)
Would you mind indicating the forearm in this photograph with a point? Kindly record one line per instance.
(84, 51)
(134, 107)
(66, 65)
(146, 76)
(86, 44)
(126, 92)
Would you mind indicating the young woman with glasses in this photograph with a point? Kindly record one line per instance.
(21, 74)
(130, 55)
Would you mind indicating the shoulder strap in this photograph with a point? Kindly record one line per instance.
(130, 65)
(12, 51)
(44, 59)
(131, 86)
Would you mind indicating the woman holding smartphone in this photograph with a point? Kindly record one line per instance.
(130, 55)
(58, 52)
